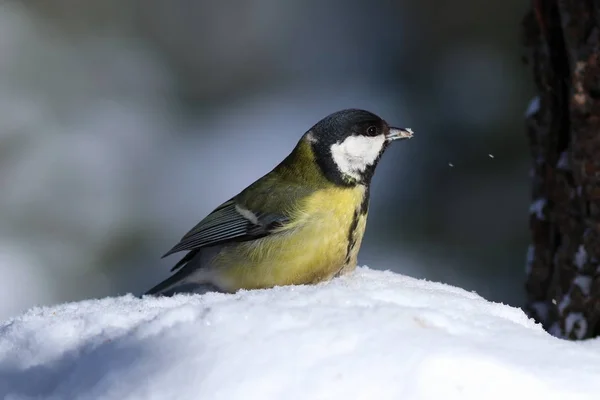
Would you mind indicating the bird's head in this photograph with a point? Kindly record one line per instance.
(348, 144)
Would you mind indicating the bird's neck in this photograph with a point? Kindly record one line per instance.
(300, 166)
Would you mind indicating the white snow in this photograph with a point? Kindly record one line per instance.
(533, 107)
(565, 302)
(576, 323)
(563, 161)
(369, 335)
(537, 208)
(584, 282)
(581, 257)
(541, 309)
(555, 330)
(529, 259)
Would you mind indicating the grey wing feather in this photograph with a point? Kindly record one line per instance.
(227, 224)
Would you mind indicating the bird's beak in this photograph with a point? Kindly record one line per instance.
(399, 133)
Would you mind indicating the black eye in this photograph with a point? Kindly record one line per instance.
(372, 131)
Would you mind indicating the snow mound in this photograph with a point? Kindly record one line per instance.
(369, 335)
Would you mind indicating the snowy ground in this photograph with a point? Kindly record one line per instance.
(371, 335)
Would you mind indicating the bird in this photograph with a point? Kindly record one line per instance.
(302, 223)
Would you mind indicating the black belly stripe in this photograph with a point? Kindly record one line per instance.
(351, 235)
(362, 210)
(364, 206)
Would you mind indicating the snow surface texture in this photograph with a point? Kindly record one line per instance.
(369, 335)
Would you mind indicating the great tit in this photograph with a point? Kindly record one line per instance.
(302, 223)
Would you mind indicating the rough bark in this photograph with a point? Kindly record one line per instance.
(562, 38)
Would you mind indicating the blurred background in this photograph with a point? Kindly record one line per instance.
(124, 122)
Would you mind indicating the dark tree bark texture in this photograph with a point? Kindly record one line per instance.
(562, 38)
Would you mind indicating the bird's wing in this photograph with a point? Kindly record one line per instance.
(228, 223)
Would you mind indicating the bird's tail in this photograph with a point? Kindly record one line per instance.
(190, 278)
(179, 284)
(173, 284)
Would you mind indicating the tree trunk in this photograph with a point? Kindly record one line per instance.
(562, 38)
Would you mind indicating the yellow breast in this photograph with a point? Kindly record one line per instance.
(323, 241)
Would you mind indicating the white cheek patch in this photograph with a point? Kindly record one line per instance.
(356, 153)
